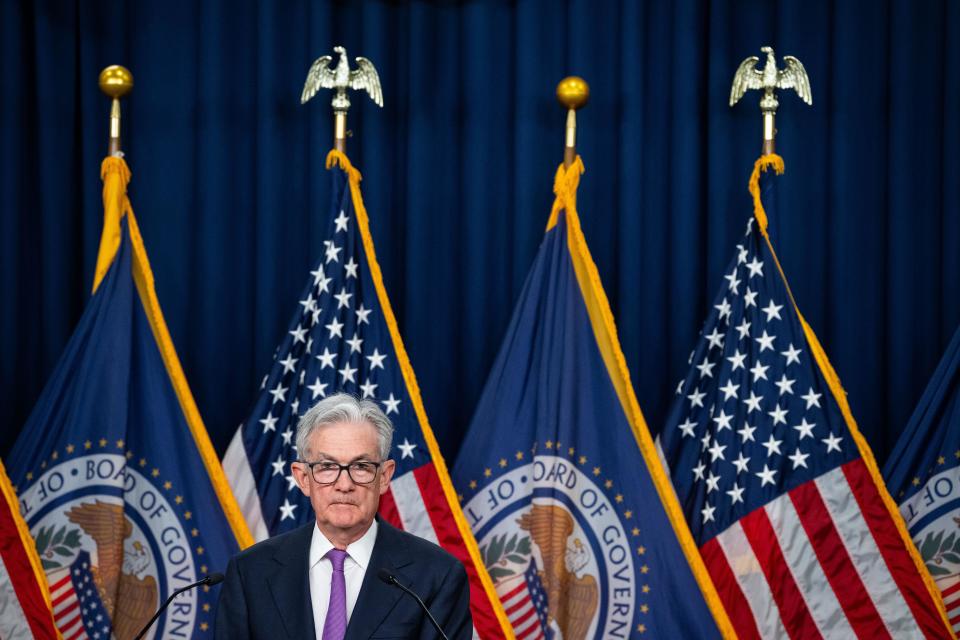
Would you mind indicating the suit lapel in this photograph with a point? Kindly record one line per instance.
(290, 584)
(377, 598)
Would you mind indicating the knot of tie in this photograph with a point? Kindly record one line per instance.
(336, 557)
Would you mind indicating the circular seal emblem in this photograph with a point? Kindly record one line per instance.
(932, 515)
(553, 541)
(114, 540)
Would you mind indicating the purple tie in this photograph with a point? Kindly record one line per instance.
(335, 625)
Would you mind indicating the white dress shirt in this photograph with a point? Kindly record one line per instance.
(321, 570)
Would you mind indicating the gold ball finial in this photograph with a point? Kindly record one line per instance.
(116, 81)
(573, 92)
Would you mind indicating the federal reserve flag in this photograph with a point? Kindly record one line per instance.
(575, 518)
(781, 491)
(116, 476)
(343, 337)
(923, 474)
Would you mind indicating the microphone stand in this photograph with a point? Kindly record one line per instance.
(212, 579)
(389, 578)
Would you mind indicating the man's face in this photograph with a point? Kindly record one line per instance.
(344, 509)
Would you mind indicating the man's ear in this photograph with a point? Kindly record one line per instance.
(301, 474)
(386, 473)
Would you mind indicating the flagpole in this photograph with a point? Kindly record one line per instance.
(116, 82)
(340, 131)
(572, 92)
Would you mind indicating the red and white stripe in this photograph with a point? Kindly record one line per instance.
(520, 609)
(66, 606)
(26, 613)
(824, 560)
(411, 504)
(417, 504)
(951, 598)
(236, 466)
(14, 621)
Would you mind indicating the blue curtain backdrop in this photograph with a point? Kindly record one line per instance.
(229, 185)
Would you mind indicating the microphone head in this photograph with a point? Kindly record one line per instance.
(214, 578)
(386, 576)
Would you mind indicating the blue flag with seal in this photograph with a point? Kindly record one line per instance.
(115, 473)
(923, 473)
(560, 480)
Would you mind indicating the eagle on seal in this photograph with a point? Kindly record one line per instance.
(571, 601)
(129, 599)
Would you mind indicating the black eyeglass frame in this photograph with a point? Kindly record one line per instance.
(342, 468)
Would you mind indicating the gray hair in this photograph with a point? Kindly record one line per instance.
(343, 407)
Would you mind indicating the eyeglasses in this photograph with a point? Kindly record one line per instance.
(328, 472)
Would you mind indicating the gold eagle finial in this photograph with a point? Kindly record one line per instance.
(792, 76)
(341, 78)
(749, 76)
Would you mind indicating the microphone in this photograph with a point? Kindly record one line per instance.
(389, 578)
(210, 580)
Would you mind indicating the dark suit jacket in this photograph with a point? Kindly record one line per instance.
(266, 592)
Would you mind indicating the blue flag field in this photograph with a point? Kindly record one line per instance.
(114, 470)
(923, 474)
(574, 515)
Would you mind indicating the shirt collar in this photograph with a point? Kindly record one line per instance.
(359, 550)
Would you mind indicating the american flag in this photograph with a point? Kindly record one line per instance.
(525, 601)
(25, 609)
(343, 337)
(951, 599)
(77, 608)
(779, 490)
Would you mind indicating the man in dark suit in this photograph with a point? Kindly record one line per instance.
(321, 580)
